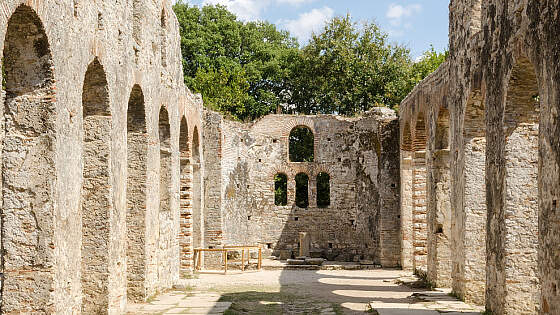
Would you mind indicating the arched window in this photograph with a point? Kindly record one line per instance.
(301, 144)
(281, 189)
(323, 190)
(302, 188)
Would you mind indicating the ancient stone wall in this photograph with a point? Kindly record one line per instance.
(82, 163)
(502, 82)
(360, 158)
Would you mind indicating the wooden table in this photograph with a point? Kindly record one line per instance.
(198, 255)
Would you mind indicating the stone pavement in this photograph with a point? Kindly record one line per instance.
(178, 302)
(354, 291)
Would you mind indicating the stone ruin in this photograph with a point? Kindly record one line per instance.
(112, 171)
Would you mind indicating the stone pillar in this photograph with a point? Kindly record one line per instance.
(97, 212)
(304, 244)
(469, 252)
(419, 212)
(439, 219)
(406, 210)
(186, 217)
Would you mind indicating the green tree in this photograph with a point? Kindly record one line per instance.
(248, 70)
(239, 68)
(428, 63)
(281, 190)
(348, 69)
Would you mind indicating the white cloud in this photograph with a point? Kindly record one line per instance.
(307, 23)
(247, 10)
(396, 12)
(293, 2)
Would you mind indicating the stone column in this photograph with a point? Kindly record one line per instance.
(406, 210)
(419, 218)
(304, 244)
(439, 219)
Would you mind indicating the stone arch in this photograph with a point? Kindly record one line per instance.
(164, 132)
(469, 218)
(520, 196)
(301, 144)
(281, 189)
(185, 233)
(28, 148)
(136, 217)
(302, 190)
(197, 211)
(97, 190)
(419, 209)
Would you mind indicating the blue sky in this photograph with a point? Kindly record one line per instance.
(417, 24)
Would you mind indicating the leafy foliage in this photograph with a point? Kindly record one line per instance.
(428, 63)
(348, 69)
(239, 68)
(302, 187)
(323, 190)
(280, 189)
(248, 70)
(301, 145)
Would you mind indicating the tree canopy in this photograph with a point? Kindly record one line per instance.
(246, 70)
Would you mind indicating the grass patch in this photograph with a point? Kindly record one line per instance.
(371, 310)
(275, 303)
(337, 309)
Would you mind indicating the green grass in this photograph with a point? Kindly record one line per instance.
(274, 303)
(371, 310)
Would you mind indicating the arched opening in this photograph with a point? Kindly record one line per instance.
(198, 218)
(520, 212)
(29, 174)
(137, 152)
(281, 189)
(164, 160)
(438, 198)
(323, 190)
(97, 192)
(406, 152)
(302, 190)
(419, 209)
(301, 144)
(163, 35)
(468, 226)
(185, 233)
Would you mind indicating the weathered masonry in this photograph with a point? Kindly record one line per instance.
(93, 98)
(479, 160)
(112, 172)
(334, 178)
